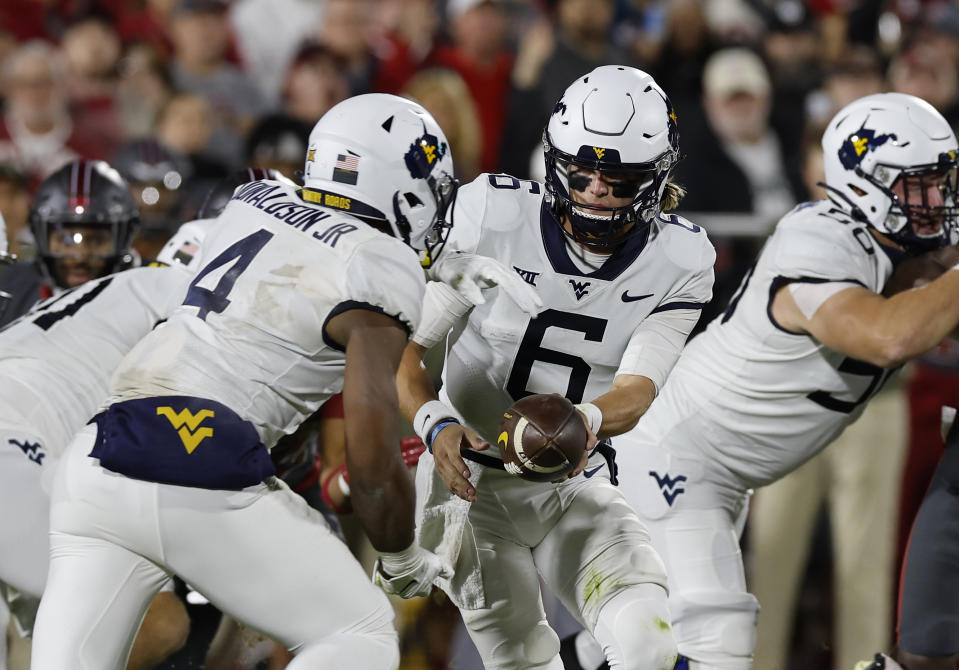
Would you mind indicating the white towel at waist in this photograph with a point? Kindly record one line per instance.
(443, 527)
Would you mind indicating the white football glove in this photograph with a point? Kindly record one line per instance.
(411, 572)
(469, 274)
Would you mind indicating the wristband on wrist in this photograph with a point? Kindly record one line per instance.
(449, 421)
(339, 477)
(401, 562)
(428, 415)
(593, 414)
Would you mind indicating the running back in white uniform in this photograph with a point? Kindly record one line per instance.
(195, 405)
(746, 403)
(250, 332)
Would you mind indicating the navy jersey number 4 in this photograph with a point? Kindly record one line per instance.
(216, 300)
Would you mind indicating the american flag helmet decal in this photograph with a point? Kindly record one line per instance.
(346, 168)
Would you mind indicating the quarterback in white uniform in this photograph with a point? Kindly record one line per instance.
(301, 296)
(623, 285)
(800, 349)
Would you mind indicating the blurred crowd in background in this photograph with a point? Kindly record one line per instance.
(176, 94)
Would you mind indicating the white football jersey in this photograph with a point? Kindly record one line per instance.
(250, 332)
(773, 398)
(576, 344)
(56, 361)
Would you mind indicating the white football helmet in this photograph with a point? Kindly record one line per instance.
(384, 159)
(872, 142)
(614, 119)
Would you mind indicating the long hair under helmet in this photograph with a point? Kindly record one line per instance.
(384, 159)
(616, 120)
(872, 142)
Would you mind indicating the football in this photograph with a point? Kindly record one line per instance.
(918, 270)
(542, 438)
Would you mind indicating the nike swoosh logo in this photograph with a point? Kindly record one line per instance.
(590, 473)
(631, 298)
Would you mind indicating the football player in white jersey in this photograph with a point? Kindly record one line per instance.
(301, 295)
(55, 364)
(623, 284)
(802, 346)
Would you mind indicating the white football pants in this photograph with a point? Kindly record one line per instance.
(261, 555)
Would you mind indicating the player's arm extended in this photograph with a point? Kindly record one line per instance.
(380, 483)
(649, 356)
(435, 423)
(625, 402)
(883, 331)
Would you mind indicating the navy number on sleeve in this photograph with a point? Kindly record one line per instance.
(531, 350)
(215, 300)
(48, 318)
(510, 182)
(851, 366)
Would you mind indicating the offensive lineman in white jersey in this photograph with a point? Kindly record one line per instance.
(802, 346)
(55, 366)
(623, 285)
(301, 296)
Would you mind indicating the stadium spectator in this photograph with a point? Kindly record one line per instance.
(443, 92)
(37, 134)
(314, 82)
(554, 51)
(91, 52)
(201, 40)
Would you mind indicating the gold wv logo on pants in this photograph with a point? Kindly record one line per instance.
(187, 425)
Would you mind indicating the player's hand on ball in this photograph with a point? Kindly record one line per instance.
(448, 462)
(590, 443)
(411, 572)
(469, 274)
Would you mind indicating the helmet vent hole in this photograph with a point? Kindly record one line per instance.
(565, 123)
(585, 80)
(388, 124)
(412, 200)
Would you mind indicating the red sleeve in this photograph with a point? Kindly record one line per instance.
(333, 408)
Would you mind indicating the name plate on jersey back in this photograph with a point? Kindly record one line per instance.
(181, 440)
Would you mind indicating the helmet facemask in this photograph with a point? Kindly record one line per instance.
(914, 210)
(604, 228)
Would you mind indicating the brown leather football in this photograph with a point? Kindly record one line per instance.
(922, 269)
(542, 438)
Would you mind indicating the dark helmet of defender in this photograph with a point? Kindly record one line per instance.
(217, 197)
(83, 219)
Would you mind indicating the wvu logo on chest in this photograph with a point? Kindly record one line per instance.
(580, 288)
(528, 275)
(670, 486)
(187, 425)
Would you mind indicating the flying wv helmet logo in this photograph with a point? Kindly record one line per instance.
(670, 486)
(560, 107)
(187, 425)
(423, 153)
(855, 147)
